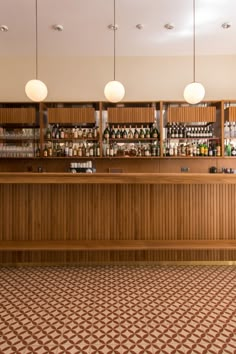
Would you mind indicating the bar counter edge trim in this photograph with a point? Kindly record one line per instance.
(116, 178)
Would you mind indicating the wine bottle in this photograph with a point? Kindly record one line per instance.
(130, 133)
(118, 133)
(124, 134)
(141, 133)
(136, 133)
(113, 133)
(147, 133)
(106, 133)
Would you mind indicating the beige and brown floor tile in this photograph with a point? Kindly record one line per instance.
(118, 310)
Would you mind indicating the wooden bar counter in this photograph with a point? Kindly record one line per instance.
(120, 217)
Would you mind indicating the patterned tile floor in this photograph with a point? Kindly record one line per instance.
(118, 309)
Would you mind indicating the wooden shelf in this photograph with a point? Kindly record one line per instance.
(70, 139)
(130, 140)
(114, 245)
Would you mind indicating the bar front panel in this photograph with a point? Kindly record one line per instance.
(50, 212)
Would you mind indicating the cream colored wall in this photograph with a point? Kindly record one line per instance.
(145, 78)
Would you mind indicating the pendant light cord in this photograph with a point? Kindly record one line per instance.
(194, 45)
(36, 37)
(114, 29)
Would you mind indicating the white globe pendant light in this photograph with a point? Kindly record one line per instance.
(114, 90)
(195, 91)
(35, 89)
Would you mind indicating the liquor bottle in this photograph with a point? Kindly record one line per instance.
(198, 150)
(147, 150)
(147, 133)
(158, 150)
(177, 131)
(90, 133)
(54, 130)
(49, 149)
(218, 150)
(112, 132)
(228, 149)
(206, 149)
(124, 133)
(84, 133)
(75, 133)
(107, 150)
(106, 133)
(98, 150)
(167, 150)
(37, 152)
(95, 132)
(80, 132)
(118, 133)
(154, 133)
(194, 149)
(91, 150)
(233, 151)
(66, 150)
(87, 152)
(190, 150)
(181, 131)
(111, 152)
(45, 151)
(184, 131)
(75, 151)
(176, 150)
(130, 133)
(80, 152)
(168, 130)
(57, 135)
(141, 133)
(210, 150)
(202, 149)
(67, 133)
(62, 133)
(136, 133)
(48, 133)
(173, 131)
(153, 150)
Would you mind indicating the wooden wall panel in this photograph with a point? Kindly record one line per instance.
(230, 114)
(71, 115)
(18, 115)
(191, 114)
(119, 212)
(131, 114)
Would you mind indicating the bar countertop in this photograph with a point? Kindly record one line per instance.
(115, 178)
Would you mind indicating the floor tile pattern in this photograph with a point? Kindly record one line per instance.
(118, 309)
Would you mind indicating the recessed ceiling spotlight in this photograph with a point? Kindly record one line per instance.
(169, 26)
(226, 25)
(139, 26)
(112, 27)
(3, 28)
(58, 28)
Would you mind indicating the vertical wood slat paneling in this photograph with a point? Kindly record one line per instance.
(191, 114)
(18, 115)
(230, 114)
(71, 115)
(161, 212)
(131, 114)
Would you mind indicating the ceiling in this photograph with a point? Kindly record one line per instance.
(86, 30)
